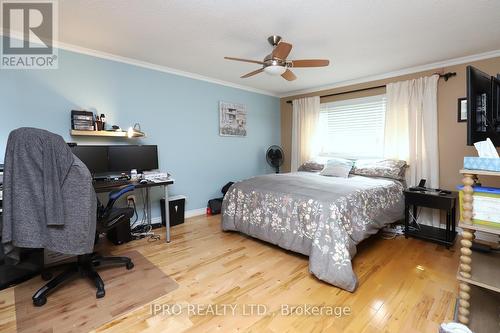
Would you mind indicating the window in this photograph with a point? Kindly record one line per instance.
(352, 128)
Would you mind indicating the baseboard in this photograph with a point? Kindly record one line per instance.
(156, 221)
(195, 212)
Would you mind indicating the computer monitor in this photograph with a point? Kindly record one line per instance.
(94, 157)
(127, 157)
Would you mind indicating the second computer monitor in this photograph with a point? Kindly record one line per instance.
(125, 158)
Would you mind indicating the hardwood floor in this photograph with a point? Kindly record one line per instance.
(406, 285)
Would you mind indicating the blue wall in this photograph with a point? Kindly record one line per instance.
(178, 114)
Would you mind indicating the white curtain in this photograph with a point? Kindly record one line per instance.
(305, 120)
(411, 132)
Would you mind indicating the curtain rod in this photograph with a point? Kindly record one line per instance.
(445, 76)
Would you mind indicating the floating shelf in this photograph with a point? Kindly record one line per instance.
(114, 134)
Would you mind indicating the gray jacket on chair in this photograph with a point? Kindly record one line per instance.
(49, 200)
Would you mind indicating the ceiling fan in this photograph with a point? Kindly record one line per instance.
(276, 62)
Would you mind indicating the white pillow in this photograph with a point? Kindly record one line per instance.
(337, 167)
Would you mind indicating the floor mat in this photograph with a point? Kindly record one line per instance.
(74, 308)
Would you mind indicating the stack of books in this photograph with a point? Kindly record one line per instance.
(82, 120)
(156, 176)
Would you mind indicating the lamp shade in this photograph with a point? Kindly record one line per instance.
(275, 69)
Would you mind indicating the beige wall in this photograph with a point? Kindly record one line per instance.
(452, 134)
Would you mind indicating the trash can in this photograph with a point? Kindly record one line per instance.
(176, 206)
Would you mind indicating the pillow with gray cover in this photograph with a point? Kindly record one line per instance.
(387, 168)
(311, 166)
(337, 167)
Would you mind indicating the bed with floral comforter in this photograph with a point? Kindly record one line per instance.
(318, 216)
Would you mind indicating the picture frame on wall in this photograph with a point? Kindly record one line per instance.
(232, 119)
(462, 110)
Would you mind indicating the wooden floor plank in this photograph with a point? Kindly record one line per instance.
(405, 285)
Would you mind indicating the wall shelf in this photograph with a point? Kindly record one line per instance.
(114, 134)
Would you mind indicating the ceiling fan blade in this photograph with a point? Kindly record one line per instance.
(282, 50)
(310, 63)
(288, 75)
(245, 60)
(252, 73)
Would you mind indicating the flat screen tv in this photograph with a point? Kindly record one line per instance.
(495, 100)
(483, 111)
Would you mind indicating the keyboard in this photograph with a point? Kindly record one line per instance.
(111, 183)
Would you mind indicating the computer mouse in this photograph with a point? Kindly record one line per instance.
(143, 181)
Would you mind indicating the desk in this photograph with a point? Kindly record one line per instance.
(103, 187)
(434, 200)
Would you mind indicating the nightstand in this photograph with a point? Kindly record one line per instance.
(435, 200)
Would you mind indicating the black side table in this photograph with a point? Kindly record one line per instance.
(431, 199)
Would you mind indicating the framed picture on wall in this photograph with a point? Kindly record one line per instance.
(462, 109)
(232, 119)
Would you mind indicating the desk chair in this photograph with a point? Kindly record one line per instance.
(108, 217)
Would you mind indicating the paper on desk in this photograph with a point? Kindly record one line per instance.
(486, 149)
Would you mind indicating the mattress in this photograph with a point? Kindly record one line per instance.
(318, 216)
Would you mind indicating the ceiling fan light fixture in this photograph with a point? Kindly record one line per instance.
(275, 70)
(276, 63)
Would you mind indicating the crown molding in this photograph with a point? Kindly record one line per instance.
(405, 71)
(164, 69)
(148, 65)
(159, 68)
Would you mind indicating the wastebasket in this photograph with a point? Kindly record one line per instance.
(176, 206)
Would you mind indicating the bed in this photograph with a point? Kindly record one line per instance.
(318, 216)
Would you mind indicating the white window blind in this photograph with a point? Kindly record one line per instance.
(352, 128)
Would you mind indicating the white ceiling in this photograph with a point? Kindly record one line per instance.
(360, 37)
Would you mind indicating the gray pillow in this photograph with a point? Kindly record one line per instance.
(337, 167)
(387, 168)
(311, 166)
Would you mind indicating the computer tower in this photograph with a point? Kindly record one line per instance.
(120, 234)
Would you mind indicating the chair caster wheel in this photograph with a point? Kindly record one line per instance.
(46, 276)
(100, 293)
(130, 265)
(40, 301)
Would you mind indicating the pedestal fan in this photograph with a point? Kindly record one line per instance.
(274, 157)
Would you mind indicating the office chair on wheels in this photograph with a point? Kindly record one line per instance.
(49, 202)
(108, 217)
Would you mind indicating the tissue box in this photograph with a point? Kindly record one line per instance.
(482, 163)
